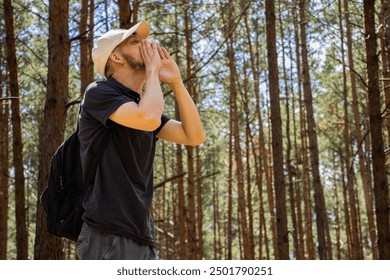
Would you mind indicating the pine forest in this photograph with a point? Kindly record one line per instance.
(294, 98)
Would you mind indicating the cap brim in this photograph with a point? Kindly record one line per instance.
(142, 30)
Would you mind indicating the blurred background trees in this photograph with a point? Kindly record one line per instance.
(294, 98)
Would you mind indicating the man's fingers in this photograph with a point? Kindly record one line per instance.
(144, 50)
(160, 52)
(166, 53)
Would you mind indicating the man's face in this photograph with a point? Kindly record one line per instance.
(130, 50)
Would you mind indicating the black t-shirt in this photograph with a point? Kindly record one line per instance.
(120, 199)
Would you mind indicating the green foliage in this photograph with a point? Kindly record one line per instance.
(211, 77)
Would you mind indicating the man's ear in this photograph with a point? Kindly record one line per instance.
(115, 57)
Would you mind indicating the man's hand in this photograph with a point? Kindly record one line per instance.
(151, 57)
(169, 71)
(146, 115)
(189, 130)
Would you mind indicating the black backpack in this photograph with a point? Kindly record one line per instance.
(63, 196)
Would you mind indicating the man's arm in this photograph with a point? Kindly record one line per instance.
(147, 114)
(189, 131)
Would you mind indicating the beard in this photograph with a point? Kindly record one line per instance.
(133, 63)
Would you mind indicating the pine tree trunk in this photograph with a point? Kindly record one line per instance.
(248, 137)
(20, 200)
(199, 209)
(290, 167)
(229, 224)
(277, 143)
(385, 52)
(216, 236)
(324, 243)
(52, 128)
(191, 219)
(164, 210)
(124, 14)
(86, 34)
(365, 173)
(303, 158)
(181, 229)
(346, 211)
(336, 212)
(356, 242)
(4, 166)
(381, 189)
(235, 153)
(260, 152)
(243, 224)
(128, 16)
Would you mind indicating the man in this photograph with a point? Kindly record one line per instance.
(128, 108)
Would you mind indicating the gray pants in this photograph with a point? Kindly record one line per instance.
(96, 245)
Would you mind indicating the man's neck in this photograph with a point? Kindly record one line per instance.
(131, 79)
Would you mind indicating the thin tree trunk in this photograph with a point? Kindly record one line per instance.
(216, 236)
(346, 210)
(20, 200)
(262, 151)
(181, 231)
(229, 224)
(128, 16)
(381, 189)
(303, 136)
(124, 14)
(365, 173)
(164, 207)
(191, 219)
(385, 20)
(52, 128)
(277, 143)
(336, 211)
(86, 34)
(248, 137)
(324, 244)
(199, 209)
(293, 168)
(356, 242)
(243, 225)
(91, 27)
(235, 139)
(290, 167)
(4, 166)
(83, 25)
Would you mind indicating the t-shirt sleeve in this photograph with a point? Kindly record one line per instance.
(164, 120)
(101, 101)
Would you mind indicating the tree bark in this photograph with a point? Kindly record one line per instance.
(324, 244)
(86, 34)
(128, 16)
(52, 128)
(191, 219)
(303, 137)
(124, 14)
(4, 166)
(20, 200)
(289, 160)
(277, 143)
(182, 212)
(381, 189)
(357, 252)
(365, 172)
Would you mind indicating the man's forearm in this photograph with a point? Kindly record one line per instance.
(152, 101)
(189, 115)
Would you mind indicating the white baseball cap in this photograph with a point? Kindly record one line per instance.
(109, 40)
